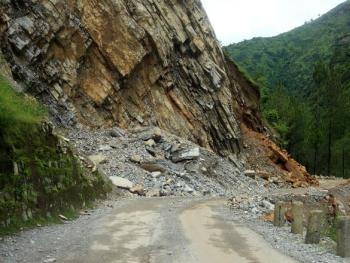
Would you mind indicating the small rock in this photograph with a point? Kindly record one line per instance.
(155, 152)
(150, 143)
(63, 217)
(188, 189)
(255, 210)
(116, 133)
(175, 148)
(192, 166)
(169, 181)
(264, 175)
(156, 174)
(63, 138)
(206, 192)
(153, 167)
(268, 205)
(85, 213)
(163, 192)
(49, 260)
(275, 180)
(97, 159)
(185, 154)
(121, 182)
(140, 119)
(135, 158)
(104, 148)
(204, 170)
(250, 173)
(138, 189)
(153, 193)
(157, 134)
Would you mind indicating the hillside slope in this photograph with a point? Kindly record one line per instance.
(289, 58)
(127, 63)
(111, 73)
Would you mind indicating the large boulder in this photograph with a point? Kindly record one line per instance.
(121, 182)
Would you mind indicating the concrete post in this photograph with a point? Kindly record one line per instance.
(297, 212)
(15, 168)
(343, 237)
(279, 214)
(313, 234)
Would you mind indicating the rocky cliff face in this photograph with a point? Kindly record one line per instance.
(124, 62)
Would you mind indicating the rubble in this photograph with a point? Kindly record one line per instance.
(180, 167)
(266, 160)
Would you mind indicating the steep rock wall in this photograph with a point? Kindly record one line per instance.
(123, 62)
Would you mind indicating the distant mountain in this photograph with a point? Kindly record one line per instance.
(289, 58)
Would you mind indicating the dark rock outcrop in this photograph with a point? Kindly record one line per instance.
(126, 62)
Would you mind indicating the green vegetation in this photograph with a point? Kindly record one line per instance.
(304, 76)
(330, 230)
(288, 58)
(40, 176)
(17, 113)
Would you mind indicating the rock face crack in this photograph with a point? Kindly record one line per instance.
(124, 62)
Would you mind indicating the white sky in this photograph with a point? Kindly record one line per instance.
(237, 20)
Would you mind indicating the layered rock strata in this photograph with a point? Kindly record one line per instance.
(125, 62)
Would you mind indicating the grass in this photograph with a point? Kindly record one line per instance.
(331, 230)
(19, 225)
(17, 111)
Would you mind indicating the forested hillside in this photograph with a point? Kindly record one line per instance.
(288, 58)
(304, 78)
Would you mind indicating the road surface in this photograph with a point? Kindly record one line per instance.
(163, 230)
(159, 230)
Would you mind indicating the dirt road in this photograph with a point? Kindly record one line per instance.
(147, 230)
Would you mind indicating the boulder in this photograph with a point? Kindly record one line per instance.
(121, 182)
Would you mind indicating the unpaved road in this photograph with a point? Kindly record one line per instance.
(147, 230)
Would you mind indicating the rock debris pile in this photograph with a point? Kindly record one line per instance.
(150, 162)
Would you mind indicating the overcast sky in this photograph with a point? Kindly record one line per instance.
(237, 20)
